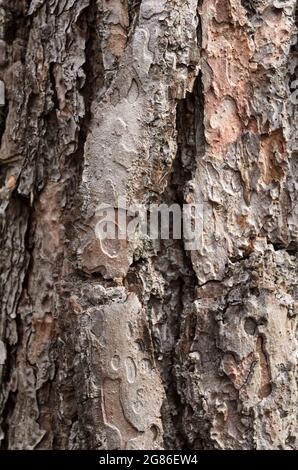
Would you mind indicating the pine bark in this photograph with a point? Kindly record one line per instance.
(162, 102)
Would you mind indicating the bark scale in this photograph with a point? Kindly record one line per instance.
(137, 345)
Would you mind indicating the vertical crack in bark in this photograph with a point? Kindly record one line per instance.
(66, 429)
(17, 23)
(191, 146)
(93, 69)
(133, 11)
(249, 6)
(169, 290)
(3, 116)
(171, 270)
(71, 165)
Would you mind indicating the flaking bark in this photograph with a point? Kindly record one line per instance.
(169, 101)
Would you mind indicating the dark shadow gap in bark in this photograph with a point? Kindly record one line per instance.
(3, 116)
(17, 23)
(93, 69)
(89, 25)
(173, 267)
(293, 57)
(133, 12)
(191, 146)
(250, 6)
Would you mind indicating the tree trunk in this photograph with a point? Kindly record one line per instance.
(138, 344)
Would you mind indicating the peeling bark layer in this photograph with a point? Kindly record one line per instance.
(135, 344)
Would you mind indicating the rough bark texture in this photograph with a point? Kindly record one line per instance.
(161, 101)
